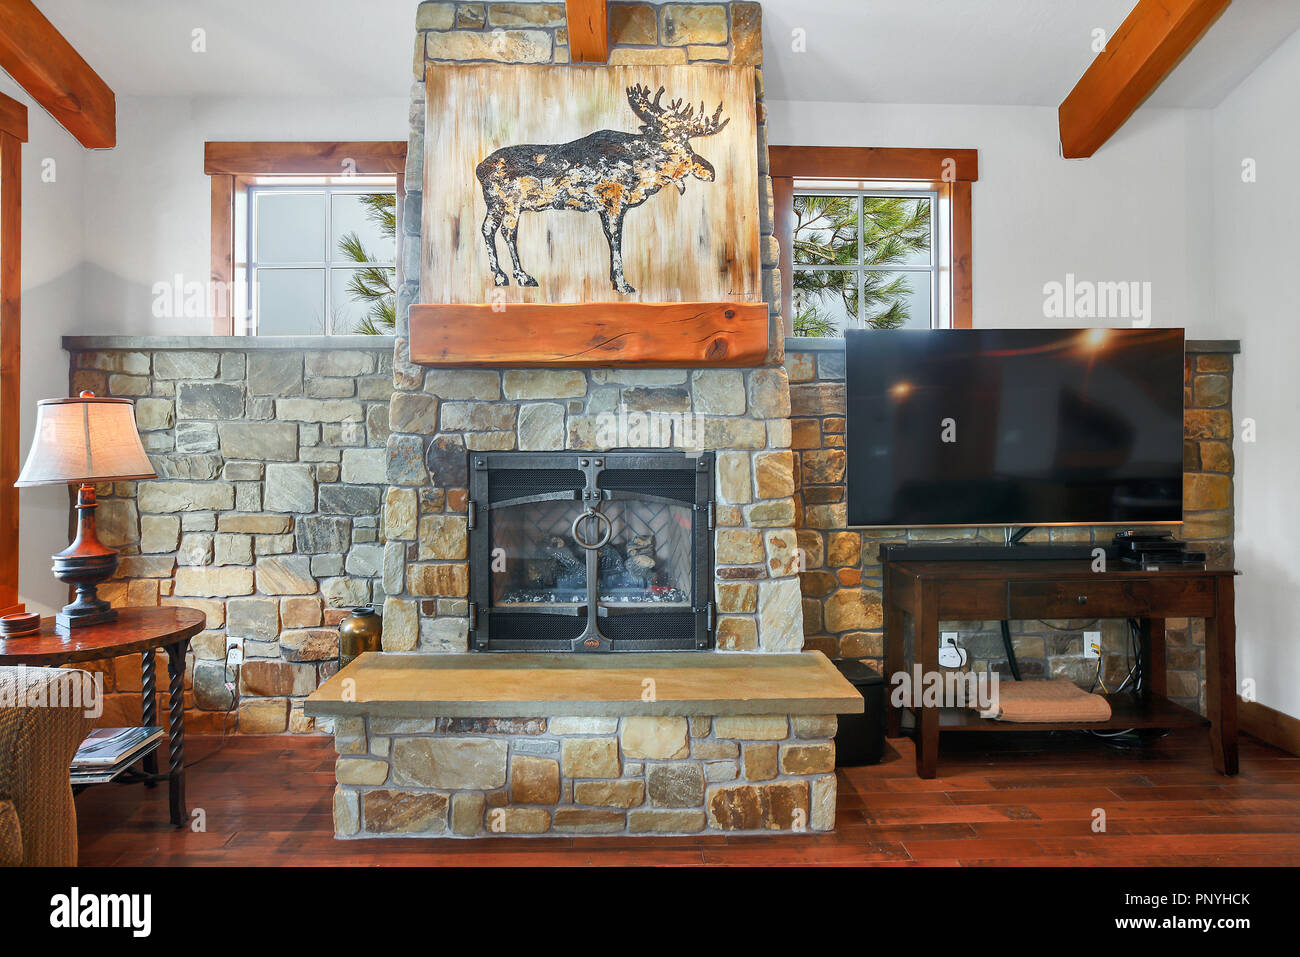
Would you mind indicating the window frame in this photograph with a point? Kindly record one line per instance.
(949, 173)
(234, 166)
(861, 191)
(328, 188)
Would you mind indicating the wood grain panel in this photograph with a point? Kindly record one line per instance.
(45, 64)
(279, 158)
(588, 22)
(223, 254)
(963, 267)
(697, 246)
(874, 162)
(13, 118)
(1152, 39)
(11, 199)
(1268, 724)
(663, 334)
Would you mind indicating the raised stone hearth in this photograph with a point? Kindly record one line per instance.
(668, 743)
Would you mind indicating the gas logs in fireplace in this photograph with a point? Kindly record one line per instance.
(604, 551)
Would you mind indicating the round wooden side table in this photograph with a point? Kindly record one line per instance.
(136, 631)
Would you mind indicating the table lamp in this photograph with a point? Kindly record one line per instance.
(84, 441)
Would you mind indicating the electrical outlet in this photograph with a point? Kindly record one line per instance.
(951, 654)
(1092, 644)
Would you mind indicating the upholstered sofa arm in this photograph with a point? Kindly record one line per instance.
(43, 720)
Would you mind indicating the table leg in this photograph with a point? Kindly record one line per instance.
(1151, 637)
(149, 708)
(926, 644)
(895, 662)
(176, 732)
(1221, 678)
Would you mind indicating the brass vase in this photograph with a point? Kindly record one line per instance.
(358, 633)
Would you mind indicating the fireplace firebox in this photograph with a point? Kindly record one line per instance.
(591, 552)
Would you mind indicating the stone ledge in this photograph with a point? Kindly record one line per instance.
(836, 344)
(224, 343)
(405, 685)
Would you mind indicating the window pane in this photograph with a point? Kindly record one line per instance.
(895, 231)
(897, 300)
(826, 230)
(346, 307)
(356, 215)
(290, 227)
(825, 302)
(291, 302)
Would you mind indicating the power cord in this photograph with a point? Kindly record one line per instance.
(225, 718)
(1011, 651)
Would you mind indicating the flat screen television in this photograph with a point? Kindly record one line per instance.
(952, 427)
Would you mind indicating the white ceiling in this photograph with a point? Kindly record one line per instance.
(1022, 52)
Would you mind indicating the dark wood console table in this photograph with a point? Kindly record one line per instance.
(934, 591)
(136, 631)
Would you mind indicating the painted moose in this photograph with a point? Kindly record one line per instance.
(607, 172)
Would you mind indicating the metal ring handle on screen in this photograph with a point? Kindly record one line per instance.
(604, 538)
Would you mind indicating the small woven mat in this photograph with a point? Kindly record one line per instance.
(1057, 700)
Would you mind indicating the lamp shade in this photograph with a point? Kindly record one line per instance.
(85, 439)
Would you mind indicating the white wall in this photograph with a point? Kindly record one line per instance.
(1137, 211)
(148, 202)
(53, 181)
(1256, 251)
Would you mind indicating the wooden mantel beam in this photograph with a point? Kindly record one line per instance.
(588, 30)
(1151, 40)
(35, 54)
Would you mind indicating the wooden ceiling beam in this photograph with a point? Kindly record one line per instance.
(1148, 44)
(588, 30)
(45, 64)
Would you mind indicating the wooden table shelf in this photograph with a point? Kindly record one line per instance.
(1127, 711)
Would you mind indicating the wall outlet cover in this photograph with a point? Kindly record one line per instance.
(951, 654)
(1092, 644)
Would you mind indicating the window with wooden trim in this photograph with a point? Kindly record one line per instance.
(305, 236)
(873, 238)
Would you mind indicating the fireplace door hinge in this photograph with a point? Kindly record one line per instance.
(472, 513)
(708, 511)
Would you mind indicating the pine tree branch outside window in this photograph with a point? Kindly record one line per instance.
(862, 260)
(374, 285)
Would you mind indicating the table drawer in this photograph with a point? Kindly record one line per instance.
(1110, 598)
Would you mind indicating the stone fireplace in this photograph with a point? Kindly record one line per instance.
(439, 416)
(647, 512)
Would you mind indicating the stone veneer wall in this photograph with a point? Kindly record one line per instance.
(841, 586)
(439, 414)
(265, 513)
(469, 777)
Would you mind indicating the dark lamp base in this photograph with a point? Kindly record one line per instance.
(69, 619)
(84, 564)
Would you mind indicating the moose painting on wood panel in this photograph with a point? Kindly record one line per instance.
(590, 184)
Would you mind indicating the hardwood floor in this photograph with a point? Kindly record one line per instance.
(1014, 800)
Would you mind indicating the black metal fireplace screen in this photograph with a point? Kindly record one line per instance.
(593, 552)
